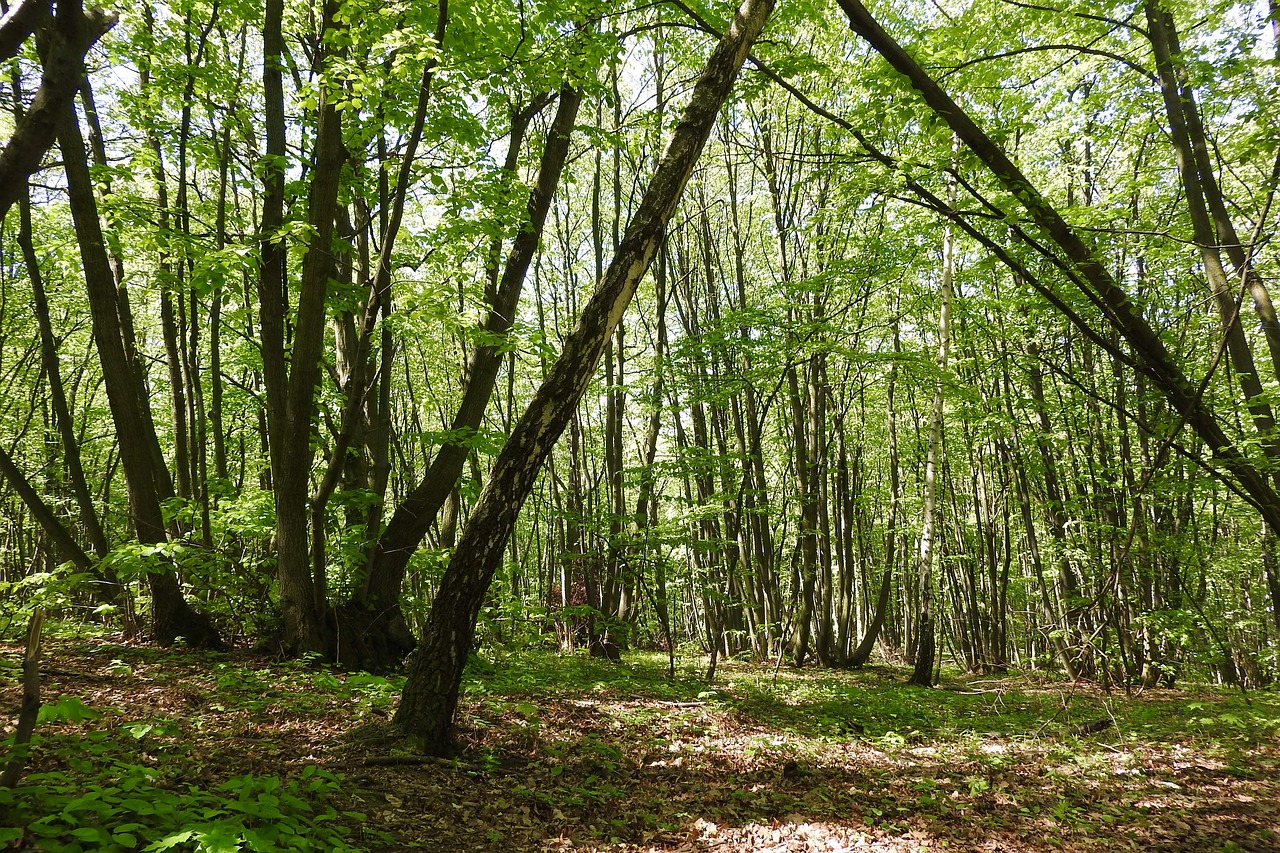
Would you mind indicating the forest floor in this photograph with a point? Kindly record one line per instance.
(146, 749)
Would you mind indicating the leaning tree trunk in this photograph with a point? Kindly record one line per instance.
(1086, 270)
(435, 669)
(389, 638)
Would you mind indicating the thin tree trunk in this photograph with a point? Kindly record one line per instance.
(173, 617)
(926, 650)
(29, 710)
(435, 670)
(417, 512)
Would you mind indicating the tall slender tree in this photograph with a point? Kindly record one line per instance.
(430, 695)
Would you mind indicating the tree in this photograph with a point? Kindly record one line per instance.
(147, 478)
(430, 695)
(926, 644)
(64, 37)
(414, 515)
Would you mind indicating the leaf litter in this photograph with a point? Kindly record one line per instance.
(565, 753)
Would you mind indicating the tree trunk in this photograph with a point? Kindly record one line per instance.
(389, 638)
(926, 651)
(173, 617)
(291, 384)
(435, 670)
(1086, 271)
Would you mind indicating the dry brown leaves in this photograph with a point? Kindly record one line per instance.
(619, 775)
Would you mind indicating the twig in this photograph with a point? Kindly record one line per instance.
(394, 761)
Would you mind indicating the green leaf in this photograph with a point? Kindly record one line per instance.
(138, 807)
(68, 709)
(171, 841)
(90, 833)
(219, 840)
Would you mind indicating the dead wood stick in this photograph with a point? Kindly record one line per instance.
(30, 710)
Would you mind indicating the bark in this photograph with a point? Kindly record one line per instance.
(614, 601)
(272, 287)
(215, 318)
(646, 512)
(19, 22)
(173, 617)
(1179, 111)
(170, 286)
(1085, 270)
(361, 629)
(65, 37)
(419, 509)
(806, 491)
(862, 653)
(435, 670)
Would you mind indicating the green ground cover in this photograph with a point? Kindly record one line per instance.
(142, 749)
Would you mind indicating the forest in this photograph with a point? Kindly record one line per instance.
(530, 389)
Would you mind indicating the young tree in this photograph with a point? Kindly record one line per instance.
(926, 625)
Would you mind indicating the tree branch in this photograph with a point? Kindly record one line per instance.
(65, 42)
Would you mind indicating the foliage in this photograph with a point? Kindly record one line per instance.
(618, 753)
(126, 807)
(105, 802)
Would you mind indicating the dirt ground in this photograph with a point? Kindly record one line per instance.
(616, 768)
